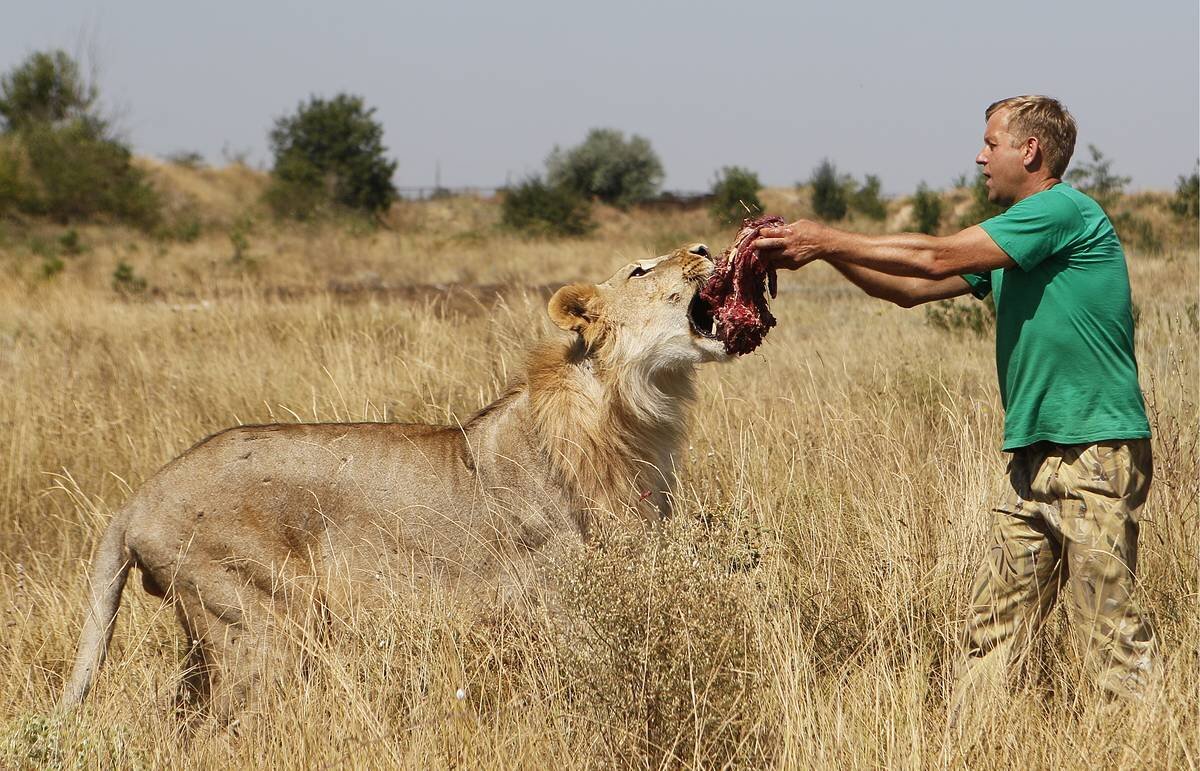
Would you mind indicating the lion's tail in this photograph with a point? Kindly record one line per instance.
(110, 568)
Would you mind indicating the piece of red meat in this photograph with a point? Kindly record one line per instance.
(736, 292)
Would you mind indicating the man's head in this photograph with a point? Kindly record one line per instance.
(1028, 141)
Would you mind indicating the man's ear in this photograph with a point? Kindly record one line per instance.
(1031, 154)
(573, 307)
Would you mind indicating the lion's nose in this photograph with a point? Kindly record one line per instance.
(700, 250)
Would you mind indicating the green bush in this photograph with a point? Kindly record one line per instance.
(537, 208)
(981, 208)
(1186, 202)
(60, 159)
(828, 192)
(70, 244)
(609, 167)
(1097, 179)
(329, 153)
(735, 195)
(927, 210)
(868, 201)
(76, 173)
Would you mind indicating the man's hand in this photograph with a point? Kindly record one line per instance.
(793, 246)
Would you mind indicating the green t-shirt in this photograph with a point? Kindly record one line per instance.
(1064, 323)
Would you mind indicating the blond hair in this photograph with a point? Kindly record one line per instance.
(1045, 119)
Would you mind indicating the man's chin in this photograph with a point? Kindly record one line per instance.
(999, 200)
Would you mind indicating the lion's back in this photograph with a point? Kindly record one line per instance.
(267, 494)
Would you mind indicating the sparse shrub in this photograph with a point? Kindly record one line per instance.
(828, 192)
(976, 318)
(239, 238)
(185, 228)
(660, 646)
(867, 199)
(43, 247)
(235, 156)
(1138, 232)
(927, 210)
(1186, 202)
(537, 208)
(329, 153)
(1097, 179)
(51, 266)
(41, 742)
(69, 243)
(188, 159)
(126, 281)
(607, 166)
(735, 195)
(981, 208)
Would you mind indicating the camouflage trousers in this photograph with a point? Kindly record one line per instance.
(1070, 526)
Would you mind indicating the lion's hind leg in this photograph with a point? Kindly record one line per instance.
(194, 698)
(226, 622)
(245, 634)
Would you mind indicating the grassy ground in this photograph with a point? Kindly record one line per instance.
(800, 611)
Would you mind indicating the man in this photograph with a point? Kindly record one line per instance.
(1074, 417)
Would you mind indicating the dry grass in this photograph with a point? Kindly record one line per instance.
(799, 612)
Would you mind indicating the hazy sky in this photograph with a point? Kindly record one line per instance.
(487, 89)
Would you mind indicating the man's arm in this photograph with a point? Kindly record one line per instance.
(905, 291)
(905, 254)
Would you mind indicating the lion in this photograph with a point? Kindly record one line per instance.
(259, 524)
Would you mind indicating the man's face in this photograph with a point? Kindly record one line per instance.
(1002, 160)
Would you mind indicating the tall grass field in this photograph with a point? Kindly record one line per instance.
(800, 610)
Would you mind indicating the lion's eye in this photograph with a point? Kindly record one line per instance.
(638, 271)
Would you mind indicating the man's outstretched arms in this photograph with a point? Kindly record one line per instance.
(905, 291)
(907, 268)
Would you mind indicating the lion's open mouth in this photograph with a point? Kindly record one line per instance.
(701, 317)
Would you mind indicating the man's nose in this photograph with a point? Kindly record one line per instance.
(980, 159)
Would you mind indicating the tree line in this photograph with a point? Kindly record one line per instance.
(59, 158)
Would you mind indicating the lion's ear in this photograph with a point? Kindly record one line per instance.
(573, 307)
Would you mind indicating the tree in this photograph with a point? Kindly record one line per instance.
(927, 210)
(330, 152)
(735, 195)
(47, 88)
(867, 199)
(828, 192)
(62, 160)
(609, 167)
(1097, 179)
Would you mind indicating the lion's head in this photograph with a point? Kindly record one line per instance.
(648, 312)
